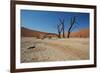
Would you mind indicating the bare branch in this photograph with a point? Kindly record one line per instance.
(72, 25)
(60, 28)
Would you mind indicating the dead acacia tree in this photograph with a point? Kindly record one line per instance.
(62, 26)
(72, 25)
(59, 30)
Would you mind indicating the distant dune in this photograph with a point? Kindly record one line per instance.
(82, 33)
(25, 32)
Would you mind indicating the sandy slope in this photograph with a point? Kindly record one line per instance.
(82, 33)
(54, 49)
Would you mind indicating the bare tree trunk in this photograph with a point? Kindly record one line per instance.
(59, 35)
(72, 23)
(68, 34)
(69, 30)
(63, 31)
(59, 30)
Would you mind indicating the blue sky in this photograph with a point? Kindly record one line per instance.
(47, 21)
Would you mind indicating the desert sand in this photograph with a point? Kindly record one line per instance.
(44, 50)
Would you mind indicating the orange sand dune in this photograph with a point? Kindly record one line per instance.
(82, 33)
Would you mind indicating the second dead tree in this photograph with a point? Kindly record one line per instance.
(72, 23)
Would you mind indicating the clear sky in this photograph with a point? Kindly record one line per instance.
(47, 21)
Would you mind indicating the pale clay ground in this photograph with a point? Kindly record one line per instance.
(54, 49)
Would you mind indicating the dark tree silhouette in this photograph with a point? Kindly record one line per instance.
(71, 26)
(59, 30)
(62, 26)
